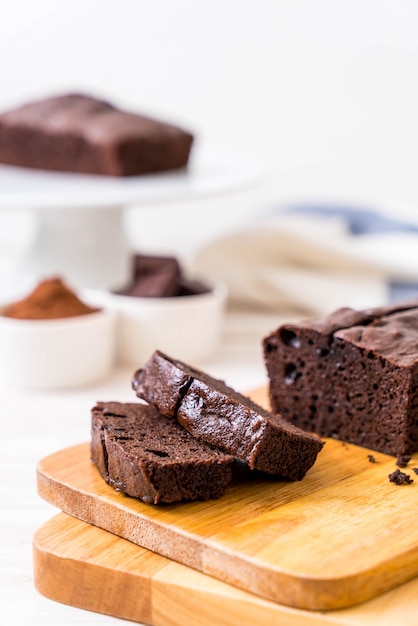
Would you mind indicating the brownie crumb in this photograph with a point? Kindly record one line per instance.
(402, 461)
(400, 478)
(371, 458)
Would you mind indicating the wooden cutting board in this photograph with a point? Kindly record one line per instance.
(89, 568)
(342, 535)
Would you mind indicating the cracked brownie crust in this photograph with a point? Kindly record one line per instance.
(352, 375)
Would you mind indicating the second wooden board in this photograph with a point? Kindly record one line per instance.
(87, 567)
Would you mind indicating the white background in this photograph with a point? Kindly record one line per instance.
(324, 93)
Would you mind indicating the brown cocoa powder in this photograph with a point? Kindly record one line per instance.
(51, 299)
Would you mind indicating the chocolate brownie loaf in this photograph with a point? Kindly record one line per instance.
(149, 456)
(213, 412)
(352, 375)
(80, 133)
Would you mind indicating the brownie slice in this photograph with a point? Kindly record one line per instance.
(80, 133)
(352, 375)
(213, 412)
(149, 456)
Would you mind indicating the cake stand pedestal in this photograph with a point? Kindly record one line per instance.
(87, 245)
(80, 231)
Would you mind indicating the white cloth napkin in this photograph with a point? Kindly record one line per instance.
(315, 261)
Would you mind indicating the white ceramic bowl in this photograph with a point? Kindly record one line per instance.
(58, 353)
(188, 328)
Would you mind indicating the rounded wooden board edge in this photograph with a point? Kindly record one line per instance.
(120, 582)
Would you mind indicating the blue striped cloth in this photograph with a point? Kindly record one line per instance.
(363, 221)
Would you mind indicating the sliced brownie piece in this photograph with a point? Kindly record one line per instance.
(80, 133)
(149, 456)
(352, 375)
(213, 412)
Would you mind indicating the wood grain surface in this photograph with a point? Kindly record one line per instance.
(86, 567)
(340, 536)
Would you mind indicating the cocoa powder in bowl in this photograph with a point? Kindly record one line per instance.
(51, 299)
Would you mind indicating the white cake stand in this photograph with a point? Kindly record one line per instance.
(80, 228)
